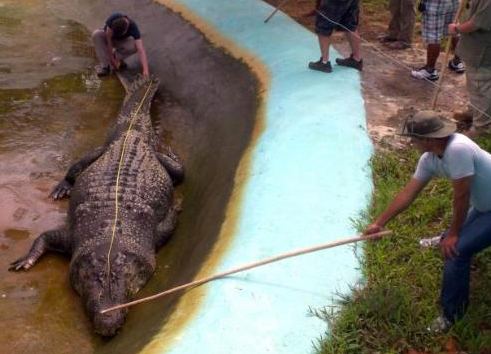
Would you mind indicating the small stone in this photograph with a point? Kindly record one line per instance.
(19, 213)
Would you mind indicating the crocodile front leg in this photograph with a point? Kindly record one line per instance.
(54, 240)
(167, 226)
(63, 188)
(173, 165)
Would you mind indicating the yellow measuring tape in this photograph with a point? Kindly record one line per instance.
(117, 180)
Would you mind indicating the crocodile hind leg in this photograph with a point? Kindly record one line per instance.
(63, 188)
(54, 240)
(167, 226)
(173, 165)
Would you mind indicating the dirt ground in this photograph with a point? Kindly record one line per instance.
(389, 91)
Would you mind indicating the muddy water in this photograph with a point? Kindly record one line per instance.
(52, 110)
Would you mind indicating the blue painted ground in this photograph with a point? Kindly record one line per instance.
(309, 176)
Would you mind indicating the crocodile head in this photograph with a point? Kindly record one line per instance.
(101, 289)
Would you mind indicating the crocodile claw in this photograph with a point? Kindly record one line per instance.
(23, 263)
(61, 190)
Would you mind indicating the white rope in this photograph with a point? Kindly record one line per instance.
(382, 53)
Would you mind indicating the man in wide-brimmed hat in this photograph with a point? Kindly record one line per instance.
(458, 158)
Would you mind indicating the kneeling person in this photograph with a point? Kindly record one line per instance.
(459, 159)
(119, 39)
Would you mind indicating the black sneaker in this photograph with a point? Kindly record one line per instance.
(351, 62)
(320, 66)
(102, 70)
(456, 67)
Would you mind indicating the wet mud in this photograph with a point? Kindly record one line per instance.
(53, 110)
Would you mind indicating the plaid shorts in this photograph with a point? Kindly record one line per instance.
(436, 17)
(344, 12)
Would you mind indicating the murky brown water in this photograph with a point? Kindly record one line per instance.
(51, 112)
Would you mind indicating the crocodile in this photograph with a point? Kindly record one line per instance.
(122, 210)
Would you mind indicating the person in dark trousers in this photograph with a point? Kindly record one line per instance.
(468, 167)
(119, 39)
(337, 15)
(401, 26)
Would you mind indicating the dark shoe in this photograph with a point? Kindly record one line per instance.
(320, 66)
(386, 39)
(398, 45)
(457, 67)
(102, 70)
(350, 62)
(425, 73)
(122, 65)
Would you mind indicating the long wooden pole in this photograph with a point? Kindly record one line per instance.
(251, 265)
(275, 11)
(447, 51)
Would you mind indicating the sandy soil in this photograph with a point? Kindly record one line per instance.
(389, 91)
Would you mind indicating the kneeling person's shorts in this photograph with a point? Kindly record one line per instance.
(343, 12)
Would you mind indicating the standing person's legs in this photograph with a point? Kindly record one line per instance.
(407, 20)
(99, 38)
(432, 53)
(433, 27)
(394, 29)
(454, 64)
(353, 39)
(479, 88)
(474, 237)
(324, 26)
(324, 45)
(349, 21)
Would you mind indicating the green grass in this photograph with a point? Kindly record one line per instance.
(391, 313)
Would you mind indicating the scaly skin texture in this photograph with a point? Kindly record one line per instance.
(108, 267)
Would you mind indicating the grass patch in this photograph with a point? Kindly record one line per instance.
(392, 312)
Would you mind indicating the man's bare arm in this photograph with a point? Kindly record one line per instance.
(461, 197)
(109, 41)
(143, 56)
(400, 203)
(465, 27)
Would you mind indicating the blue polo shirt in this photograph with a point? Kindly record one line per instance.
(132, 31)
(462, 158)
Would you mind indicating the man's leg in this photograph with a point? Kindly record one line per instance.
(324, 45)
(432, 53)
(433, 24)
(407, 20)
(324, 29)
(479, 88)
(323, 64)
(124, 47)
(474, 237)
(395, 21)
(101, 51)
(354, 42)
(350, 22)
